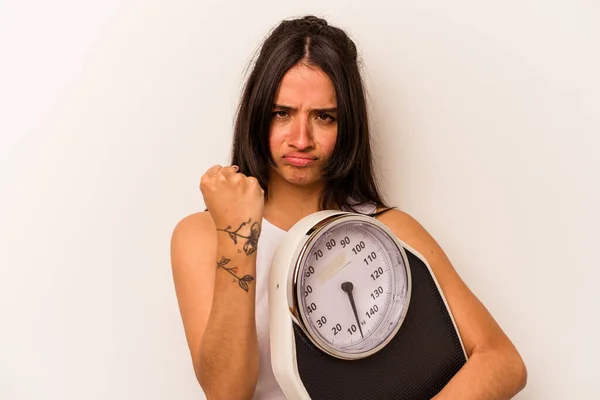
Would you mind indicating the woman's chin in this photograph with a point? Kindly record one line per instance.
(302, 179)
(298, 176)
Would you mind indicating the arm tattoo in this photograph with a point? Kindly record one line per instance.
(251, 240)
(243, 281)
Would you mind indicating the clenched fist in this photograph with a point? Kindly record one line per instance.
(232, 198)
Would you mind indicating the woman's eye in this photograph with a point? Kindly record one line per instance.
(280, 114)
(325, 117)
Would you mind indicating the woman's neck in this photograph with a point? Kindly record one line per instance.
(288, 203)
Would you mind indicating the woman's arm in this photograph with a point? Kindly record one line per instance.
(217, 313)
(495, 369)
(214, 267)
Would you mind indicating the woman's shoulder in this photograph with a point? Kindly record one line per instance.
(193, 233)
(410, 231)
(199, 220)
(393, 215)
(194, 223)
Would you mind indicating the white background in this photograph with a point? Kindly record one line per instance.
(486, 126)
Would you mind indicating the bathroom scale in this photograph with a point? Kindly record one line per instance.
(355, 313)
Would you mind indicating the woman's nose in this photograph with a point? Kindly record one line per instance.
(301, 135)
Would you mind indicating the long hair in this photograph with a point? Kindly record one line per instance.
(349, 172)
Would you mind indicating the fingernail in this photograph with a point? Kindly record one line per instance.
(236, 167)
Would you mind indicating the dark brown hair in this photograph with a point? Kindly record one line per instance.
(349, 171)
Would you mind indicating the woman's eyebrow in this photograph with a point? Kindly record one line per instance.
(326, 110)
(282, 107)
(289, 108)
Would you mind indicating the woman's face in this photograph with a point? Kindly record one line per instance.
(303, 124)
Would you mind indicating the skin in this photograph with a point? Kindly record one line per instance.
(300, 128)
(218, 309)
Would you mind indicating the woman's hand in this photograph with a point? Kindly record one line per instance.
(232, 198)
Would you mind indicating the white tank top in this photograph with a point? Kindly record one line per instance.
(267, 387)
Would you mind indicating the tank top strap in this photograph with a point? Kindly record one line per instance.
(363, 208)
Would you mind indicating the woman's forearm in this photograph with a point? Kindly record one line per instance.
(228, 363)
(487, 375)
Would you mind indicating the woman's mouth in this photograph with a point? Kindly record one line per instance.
(298, 161)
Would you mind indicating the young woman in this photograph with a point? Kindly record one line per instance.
(301, 144)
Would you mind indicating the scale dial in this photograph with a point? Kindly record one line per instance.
(352, 286)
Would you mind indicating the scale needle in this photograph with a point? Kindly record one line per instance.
(347, 287)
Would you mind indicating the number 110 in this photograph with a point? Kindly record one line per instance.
(370, 258)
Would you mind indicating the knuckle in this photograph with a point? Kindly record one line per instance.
(203, 181)
(221, 178)
(213, 169)
(206, 178)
